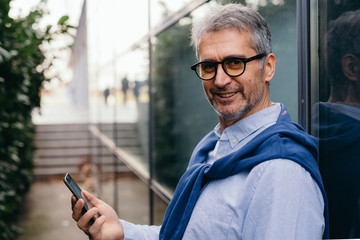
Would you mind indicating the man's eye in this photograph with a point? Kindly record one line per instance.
(234, 62)
(208, 67)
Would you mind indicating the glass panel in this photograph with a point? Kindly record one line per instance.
(160, 10)
(281, 18)
(181, 112)
(132, 200)
(108, 40)
(115, 54)
(133, 105)
(336, 113)
(159, 209)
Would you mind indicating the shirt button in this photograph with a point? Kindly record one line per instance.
(234, 140)
(218, 156)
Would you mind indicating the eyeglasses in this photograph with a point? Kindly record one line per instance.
(233, 66)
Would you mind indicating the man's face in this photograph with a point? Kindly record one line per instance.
(233, 98)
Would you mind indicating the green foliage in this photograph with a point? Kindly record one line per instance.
(22, 67)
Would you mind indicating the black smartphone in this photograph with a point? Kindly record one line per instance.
(76, 190)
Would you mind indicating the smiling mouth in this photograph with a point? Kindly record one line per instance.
(226, 95)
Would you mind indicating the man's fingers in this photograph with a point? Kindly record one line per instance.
(77, 209)
(90, 198)
(73, 202)
(95, 228)
(83, 222)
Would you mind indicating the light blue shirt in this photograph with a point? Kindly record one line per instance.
(277, 199)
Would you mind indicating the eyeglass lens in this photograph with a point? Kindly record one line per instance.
(232, 66)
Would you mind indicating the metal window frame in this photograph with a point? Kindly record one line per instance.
(304, 68)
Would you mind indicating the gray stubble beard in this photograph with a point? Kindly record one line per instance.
(240, 112)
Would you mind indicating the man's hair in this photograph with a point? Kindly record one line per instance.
(343, 37)
(234, 16)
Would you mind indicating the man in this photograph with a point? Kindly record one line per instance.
(254, 176)
(125, 87)
(338, 123)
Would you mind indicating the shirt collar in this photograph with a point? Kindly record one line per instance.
(249, 125)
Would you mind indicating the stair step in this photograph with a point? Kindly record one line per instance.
(82, 127)
(69, 152)
(73, 143)
(61, 128)
(72, 161)
(81, 135)
(41, 172)
(64, 148)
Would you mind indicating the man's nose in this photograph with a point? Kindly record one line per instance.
(221, 78)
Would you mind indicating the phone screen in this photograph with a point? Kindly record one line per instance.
(76, 190)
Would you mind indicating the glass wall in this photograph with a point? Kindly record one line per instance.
(118, 70)
(180, 109)
(336, 111)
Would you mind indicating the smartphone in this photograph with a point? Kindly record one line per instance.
(76, 190)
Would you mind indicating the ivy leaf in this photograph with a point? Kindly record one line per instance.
(63, 19)
(70, 26)
(4, 53)
(47, 31)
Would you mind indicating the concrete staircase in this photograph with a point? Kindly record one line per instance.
(62, 148)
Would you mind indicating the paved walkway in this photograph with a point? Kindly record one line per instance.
(47, 209)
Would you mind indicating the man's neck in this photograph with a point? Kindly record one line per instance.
(227, 123)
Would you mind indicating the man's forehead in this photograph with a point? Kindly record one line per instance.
(225, 43)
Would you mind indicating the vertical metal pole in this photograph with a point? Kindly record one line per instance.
(99, 144)
(115, 130)
(115, 159)
(303, 18)
(150, 158)
(99, 161)
(97, 112)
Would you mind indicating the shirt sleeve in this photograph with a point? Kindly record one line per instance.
(140, 232)
(287, 204)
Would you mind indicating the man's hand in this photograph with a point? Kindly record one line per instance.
(106, 227)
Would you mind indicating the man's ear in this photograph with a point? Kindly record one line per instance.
(350, 65)
(269, 67)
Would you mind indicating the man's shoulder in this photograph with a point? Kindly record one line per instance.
(279, 164)
(283, 171)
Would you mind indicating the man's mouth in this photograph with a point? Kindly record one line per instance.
(226, 95)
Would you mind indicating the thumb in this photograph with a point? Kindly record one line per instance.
(89, 198)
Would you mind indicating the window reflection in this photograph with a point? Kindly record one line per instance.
(180, 110)
(160, 9)
(337, 122)
(133, 99)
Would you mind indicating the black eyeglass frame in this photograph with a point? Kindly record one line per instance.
(244, 60)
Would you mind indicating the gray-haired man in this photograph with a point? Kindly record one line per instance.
(255, 175)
